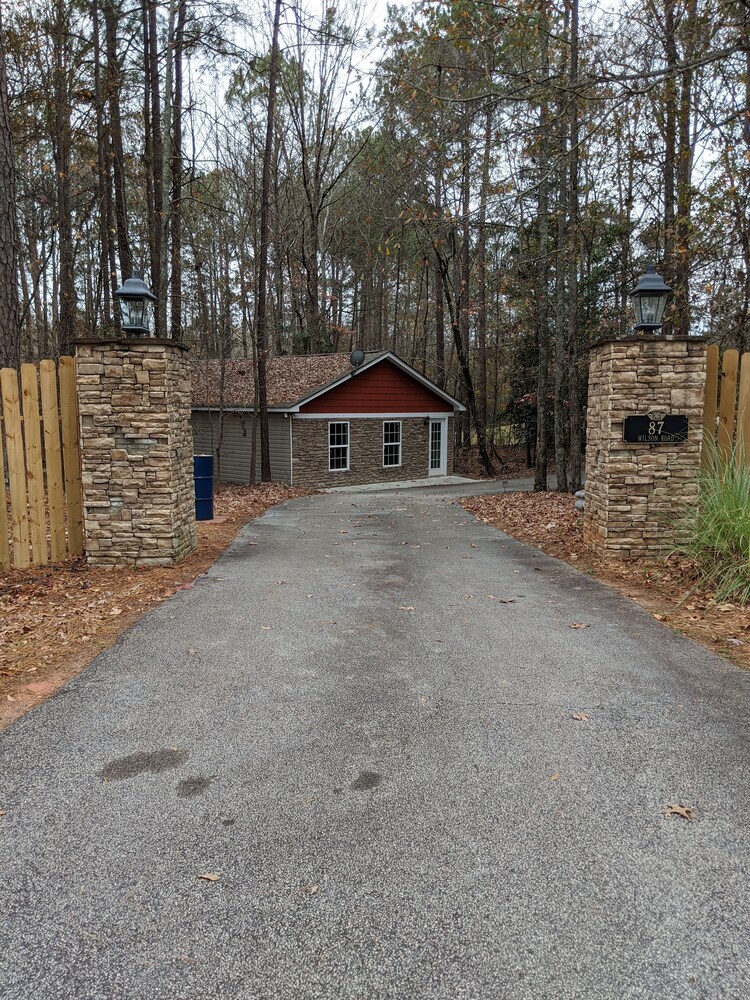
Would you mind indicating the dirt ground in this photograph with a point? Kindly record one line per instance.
(665, 588)
(55, 619)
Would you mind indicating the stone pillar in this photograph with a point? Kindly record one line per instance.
(634, 490)
(136, 451)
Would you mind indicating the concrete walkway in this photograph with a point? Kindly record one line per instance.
(361, 719)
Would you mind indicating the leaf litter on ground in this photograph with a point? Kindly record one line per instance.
(666, 588)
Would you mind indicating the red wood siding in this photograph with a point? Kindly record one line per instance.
(384, 388)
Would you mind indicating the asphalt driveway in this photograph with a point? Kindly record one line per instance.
(361, 720)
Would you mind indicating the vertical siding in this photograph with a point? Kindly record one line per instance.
(384, 388)
(236, 450)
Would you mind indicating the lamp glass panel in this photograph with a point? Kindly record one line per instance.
(650, 308)
(134, 313)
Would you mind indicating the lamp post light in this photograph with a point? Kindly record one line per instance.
(136, 300)
(649, 301)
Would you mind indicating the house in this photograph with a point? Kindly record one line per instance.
(331, 422)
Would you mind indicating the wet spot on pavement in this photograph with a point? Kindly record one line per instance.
(196, 785)
(143, 763)
(366, 781)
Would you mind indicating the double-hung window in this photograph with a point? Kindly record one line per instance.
(391, 443)
(338, 446)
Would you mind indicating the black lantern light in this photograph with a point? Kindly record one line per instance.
(136, 300)
(649, 301)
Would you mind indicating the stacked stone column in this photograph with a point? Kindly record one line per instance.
(634, 492)
(136, 451)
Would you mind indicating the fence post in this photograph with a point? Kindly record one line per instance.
(71, 455)
(727, 403)
(16, 467)
(4, 547)
(34, 465)
(53, 460)
(708, 446)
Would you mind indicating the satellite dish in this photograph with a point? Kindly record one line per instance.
(357, 358)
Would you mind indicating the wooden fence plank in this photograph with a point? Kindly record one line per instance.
(34, 466)
(4, 546)
(53, 460)
(742, 449)
(709, 406)
(71, 455)
(727, 403)
(16, 467)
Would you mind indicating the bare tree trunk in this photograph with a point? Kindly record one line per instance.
(165, 180)
(574, 400)
(463, 362)
(439, 290)
(670, 149)
(103, 185)
(482, 268)
(10, 334)
(157, 158)
(261, 323)
(112, 14)
(61, 144)
(683, 177)
(542, 388)
(175, 211)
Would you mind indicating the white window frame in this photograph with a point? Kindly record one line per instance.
(343, 423)
(394, 465)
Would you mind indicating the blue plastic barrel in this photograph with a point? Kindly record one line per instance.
(203, 475)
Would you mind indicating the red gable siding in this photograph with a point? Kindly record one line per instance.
(384, 388)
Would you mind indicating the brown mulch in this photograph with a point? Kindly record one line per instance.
(665, 588)
(55, 619)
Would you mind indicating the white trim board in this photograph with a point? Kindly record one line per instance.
(371, 416)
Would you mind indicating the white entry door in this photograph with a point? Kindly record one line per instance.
(438, 446)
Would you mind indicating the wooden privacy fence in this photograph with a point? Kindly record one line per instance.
(45, 523)
(730, 435)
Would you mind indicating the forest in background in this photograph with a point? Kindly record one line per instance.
(477, 188)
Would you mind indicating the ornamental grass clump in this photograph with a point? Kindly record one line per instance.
(715, 533)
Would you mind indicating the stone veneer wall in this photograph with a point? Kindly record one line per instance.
(634, 491)
(310, 452)
(136, 447)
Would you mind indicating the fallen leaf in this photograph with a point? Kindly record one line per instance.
(191, 651)
(726, 607)
(406, 607)
(115, 611)
(474, 546)
(685, 812)
(10, 697)
(580, 716)
(267, 628)
(736, 642)
(209, 877)
(659, 618)
(507, 600)
(308, 890)
(579, 625)
(186, 586)
(555, 776)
